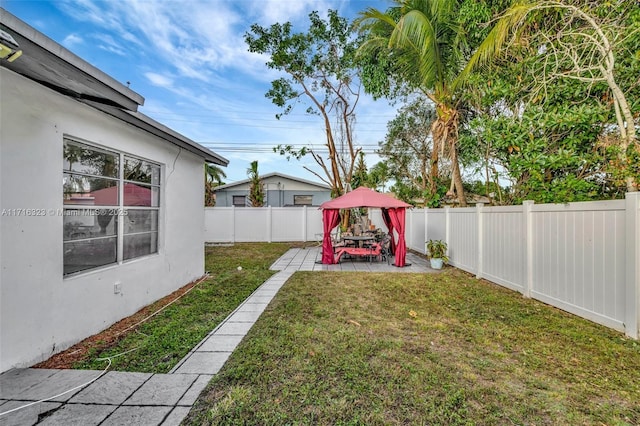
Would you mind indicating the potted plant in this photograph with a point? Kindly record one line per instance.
(437, 253)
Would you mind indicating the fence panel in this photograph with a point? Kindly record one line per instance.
(219, 224)
(436, 225)
(415, 229)
(463, 238)
(578, 259)
(502, 246)
(252, 224)
(314, 224)
(287, 224)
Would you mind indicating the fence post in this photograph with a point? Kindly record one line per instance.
(426, 227)
(233, 224)
(269, 224)
(304, 224)
(479, 221)
(446, 226)
(408, 228)
(632, 264)
(527, 206)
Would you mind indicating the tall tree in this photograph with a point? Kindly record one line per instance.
(576, 40)
(407, 148)
(320, 68)
(256, 188)
(420, 42)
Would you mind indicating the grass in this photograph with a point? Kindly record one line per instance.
(379, 349)
(158, 344)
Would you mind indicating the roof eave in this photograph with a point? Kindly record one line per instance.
(149, 125)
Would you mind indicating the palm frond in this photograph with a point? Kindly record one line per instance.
(507, 27)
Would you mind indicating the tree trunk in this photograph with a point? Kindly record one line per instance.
(445, 131)
(455, 174)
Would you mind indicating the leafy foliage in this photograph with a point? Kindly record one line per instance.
(213, 176)
(407, 150)
(321, 73)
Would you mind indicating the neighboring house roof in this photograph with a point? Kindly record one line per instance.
(272, 175)
(48, 63)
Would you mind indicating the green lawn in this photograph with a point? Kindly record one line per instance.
(161, 342)
(358, 348)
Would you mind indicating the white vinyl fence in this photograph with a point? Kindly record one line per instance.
(269, 224)
(583, 258)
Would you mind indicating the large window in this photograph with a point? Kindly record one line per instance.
(111, 206)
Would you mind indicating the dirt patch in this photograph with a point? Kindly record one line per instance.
(110, 336)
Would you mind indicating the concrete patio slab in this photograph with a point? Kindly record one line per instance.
(26, 416)
(253, 307)
(234, 328)
(220, 343)
(259, 299)
(203, 362)
(245, 316)
(17, 381)
(114, 388)
(62, 386)
(162, 389)
(189, 398)
(79, 415)
(176, 416)
(137, 415)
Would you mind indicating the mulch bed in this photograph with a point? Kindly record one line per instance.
(109, 337)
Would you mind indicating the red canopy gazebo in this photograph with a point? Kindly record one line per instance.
(393, 214)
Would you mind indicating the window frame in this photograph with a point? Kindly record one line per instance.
(310, 197)
(244, 200)
(124, 205)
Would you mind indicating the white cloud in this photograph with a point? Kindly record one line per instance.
(159, 80)
(72, 40)
(109, 44)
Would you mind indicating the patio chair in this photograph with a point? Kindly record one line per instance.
(385, 251)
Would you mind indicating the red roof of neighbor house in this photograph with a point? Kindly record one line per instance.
(134, 195)
(364, 197)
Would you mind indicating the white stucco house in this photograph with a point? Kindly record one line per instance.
(281, 191)
(101, 206)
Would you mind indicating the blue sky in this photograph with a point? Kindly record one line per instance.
(188, 59)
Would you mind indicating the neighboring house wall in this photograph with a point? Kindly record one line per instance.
(41, 312)
(280, 192)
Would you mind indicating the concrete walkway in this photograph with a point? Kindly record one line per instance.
(87, 397)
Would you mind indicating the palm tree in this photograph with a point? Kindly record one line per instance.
(256, 190)
(213, 176)
(424, 42)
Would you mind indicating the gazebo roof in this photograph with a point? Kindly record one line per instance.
(364, 197)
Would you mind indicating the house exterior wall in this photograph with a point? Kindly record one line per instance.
(280, 192)
(42, 312)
